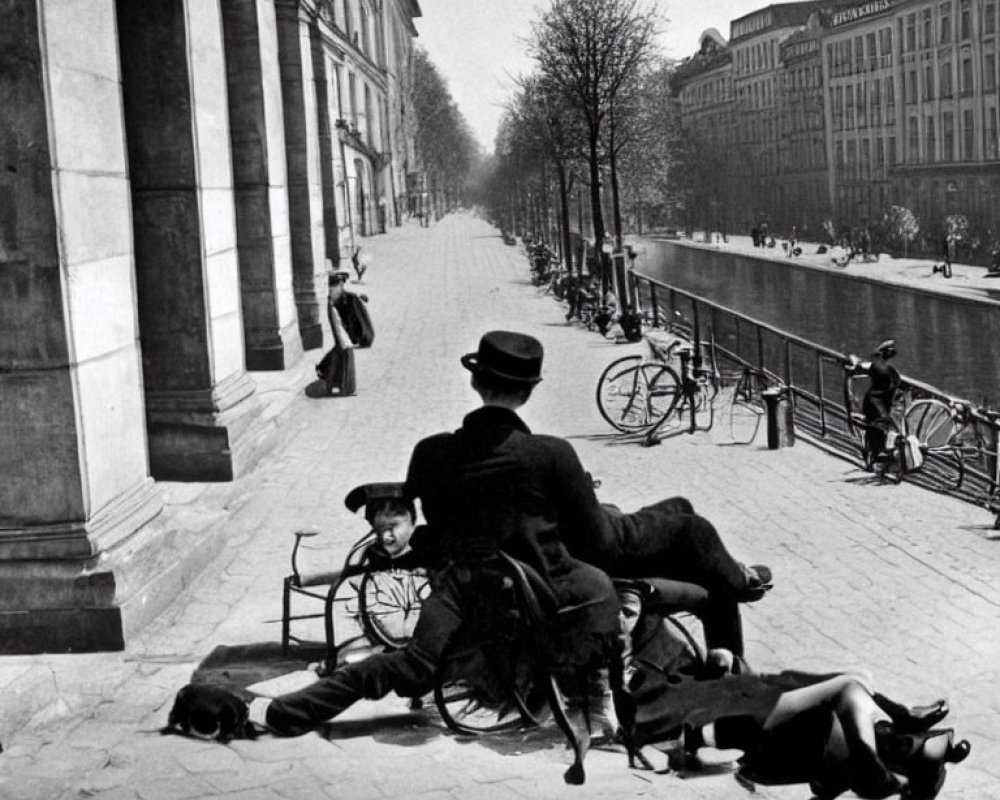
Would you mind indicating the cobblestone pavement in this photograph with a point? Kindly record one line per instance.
(890, 577)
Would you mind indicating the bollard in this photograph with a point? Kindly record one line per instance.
(772, 397)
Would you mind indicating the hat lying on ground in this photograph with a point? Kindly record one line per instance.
(512, 356)
(370, 494)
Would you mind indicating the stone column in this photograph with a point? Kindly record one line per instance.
(305, 199)
(258, 142)
(75, 490)
(326, 118)
(202, 410)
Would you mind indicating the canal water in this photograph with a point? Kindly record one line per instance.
(946, 341)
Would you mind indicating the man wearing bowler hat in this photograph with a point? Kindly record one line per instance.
(490, 486)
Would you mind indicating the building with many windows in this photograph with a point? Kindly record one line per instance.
(803, 194)
(758, 86)
(902, 93)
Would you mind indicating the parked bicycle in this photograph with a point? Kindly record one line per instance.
(640, 394)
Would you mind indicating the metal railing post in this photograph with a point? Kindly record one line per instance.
(821, 394)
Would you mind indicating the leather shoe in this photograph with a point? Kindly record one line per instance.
(761, 573)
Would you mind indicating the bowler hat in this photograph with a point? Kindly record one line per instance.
(368, 494)
(515, 357)
(338, 275)
(888, 344)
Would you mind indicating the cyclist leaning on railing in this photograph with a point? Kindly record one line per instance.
(878, 400)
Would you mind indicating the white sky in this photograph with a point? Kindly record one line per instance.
(478, 44)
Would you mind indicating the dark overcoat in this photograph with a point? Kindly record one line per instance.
(357, 321)
(493, 485)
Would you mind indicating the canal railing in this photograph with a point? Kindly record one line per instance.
(814, 378)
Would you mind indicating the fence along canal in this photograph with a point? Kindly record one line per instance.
(815, 377)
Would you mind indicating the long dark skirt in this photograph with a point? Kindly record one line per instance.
(337, 369)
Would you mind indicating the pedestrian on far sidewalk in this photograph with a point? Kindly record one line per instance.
(336, 369)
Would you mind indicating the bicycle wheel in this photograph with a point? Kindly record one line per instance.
(633, 394)
(933, 423)
(504, 695)
(388, 605)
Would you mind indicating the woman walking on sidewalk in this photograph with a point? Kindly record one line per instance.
(336, 369)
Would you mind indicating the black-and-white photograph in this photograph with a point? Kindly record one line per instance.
(499, 399)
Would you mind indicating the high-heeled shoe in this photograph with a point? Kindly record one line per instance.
(922, 718)
(921, 757)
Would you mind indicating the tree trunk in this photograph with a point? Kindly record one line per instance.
(567, 244)
(597, 213)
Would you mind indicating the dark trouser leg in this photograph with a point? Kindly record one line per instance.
(723, 625)
(684, 547)
(720, 616)
(409, 672)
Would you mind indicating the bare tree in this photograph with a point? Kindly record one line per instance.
(587, 50)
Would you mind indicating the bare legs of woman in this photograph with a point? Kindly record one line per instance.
(852, 752)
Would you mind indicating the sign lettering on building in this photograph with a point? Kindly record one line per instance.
(858, 12)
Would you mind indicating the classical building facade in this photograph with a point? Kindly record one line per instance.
(170, 196)
(904, 94)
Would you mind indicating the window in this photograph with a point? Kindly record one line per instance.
(885, 41)
(911, 86)
(866, 159)
(946, 22)
(862, 105)
(852, 158)
(366, 45)
(947, 136)
(968, 134)
(929, 82)
(849, 107)
(945, 79)
(967, 75)
(927, 24)
(931, 141)
(965, 23)
(838, 155)
(989, 17)
(838, 108)
(989, 72)
(913, 140)
(875, 98)
(369, 118)
(348, 19)
(992, 133)
(891, 144)
(352, 96)
(879, 158)
(911, 33)
(870, 49)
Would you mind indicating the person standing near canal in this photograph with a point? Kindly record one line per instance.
(878, 400)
